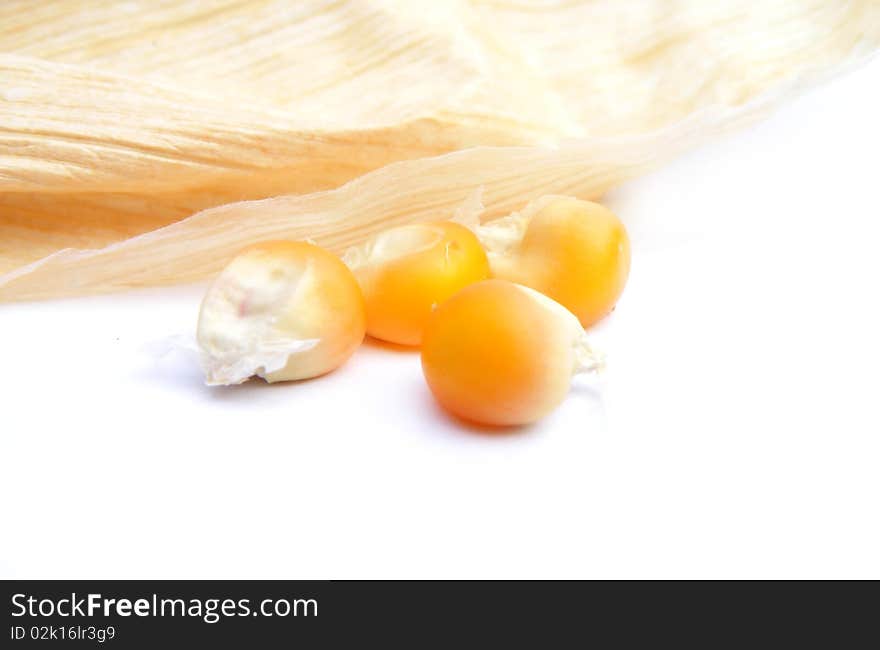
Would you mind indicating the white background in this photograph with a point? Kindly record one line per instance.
(737, 433)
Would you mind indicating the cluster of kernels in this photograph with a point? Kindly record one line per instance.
(576, 252)
(282, 311)
(499, 353)
(406, 272)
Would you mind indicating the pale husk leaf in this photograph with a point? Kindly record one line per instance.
(120, 118)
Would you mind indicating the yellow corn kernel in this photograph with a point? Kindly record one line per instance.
(405, 272)
(576, 252)
(500, 353)
(280, 310)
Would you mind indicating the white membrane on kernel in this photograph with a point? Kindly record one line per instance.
(586, 357)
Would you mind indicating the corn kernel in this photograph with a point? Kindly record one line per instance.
(280, 310)
(500, 353)
(576, 252)
(405, 272)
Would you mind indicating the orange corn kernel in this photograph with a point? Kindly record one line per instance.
(577, 252)
(407, 271)
(500, 353)
(280, 310)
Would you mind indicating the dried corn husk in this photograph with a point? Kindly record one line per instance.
(118, 119)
